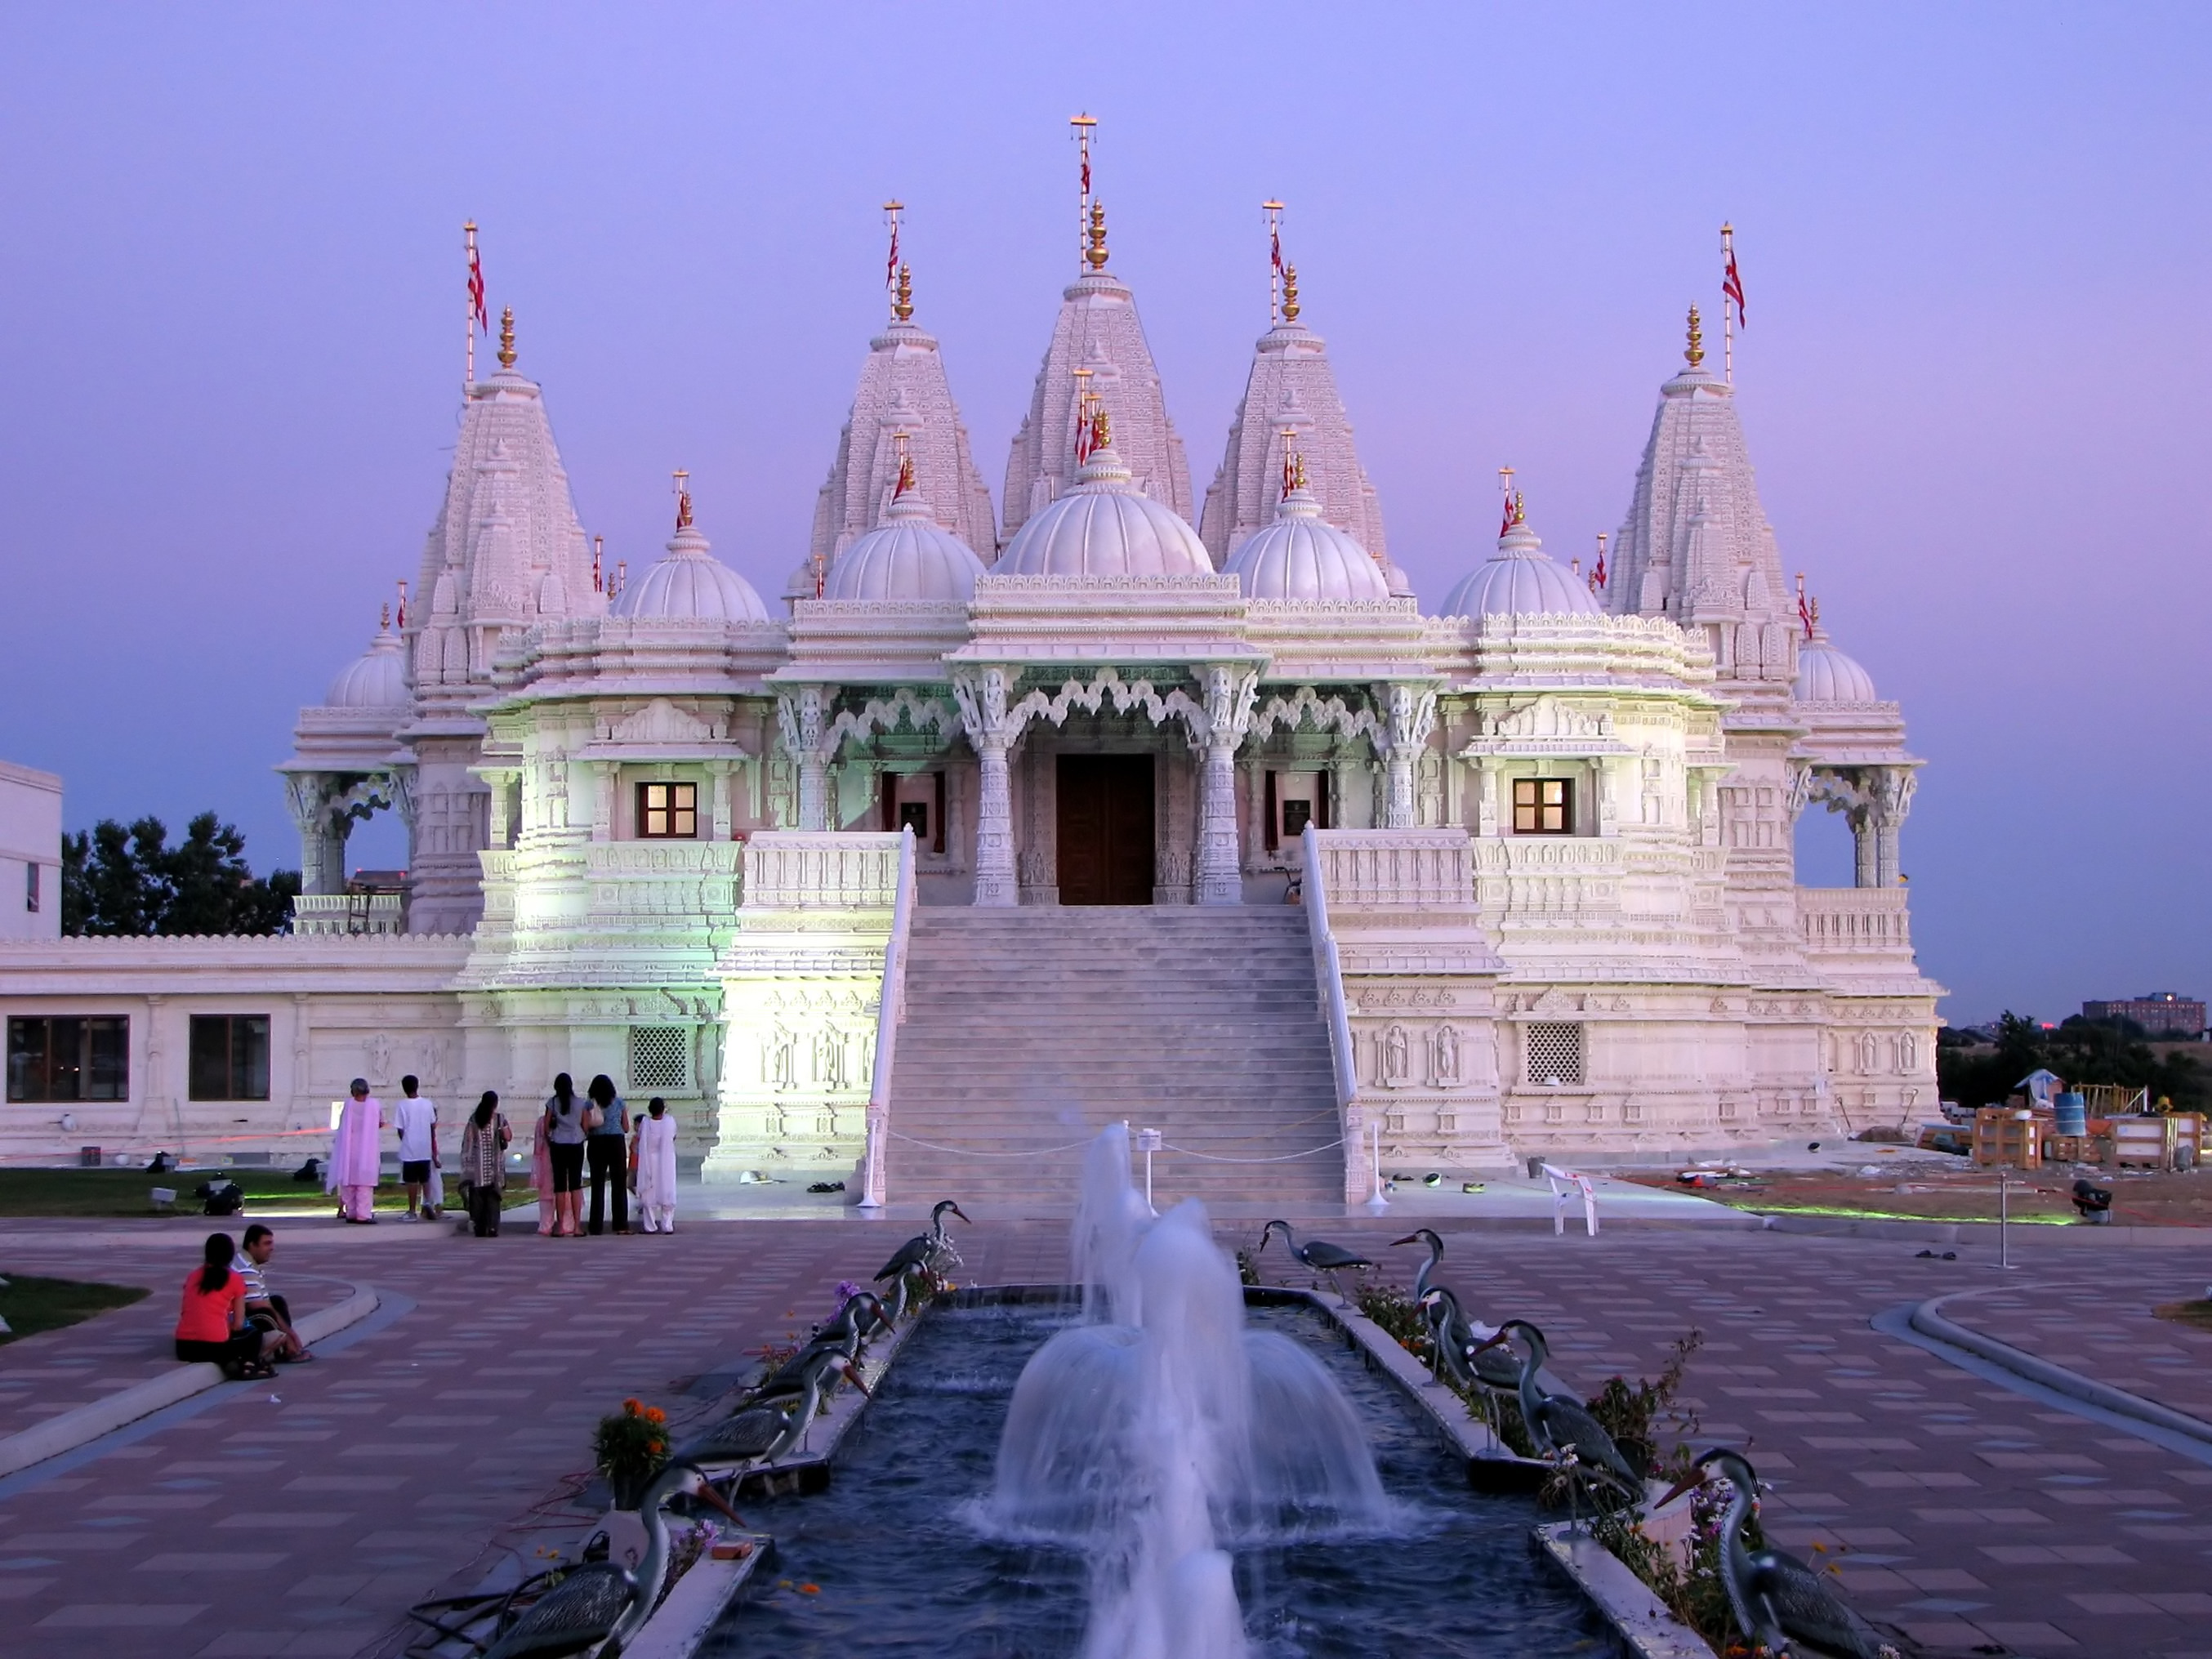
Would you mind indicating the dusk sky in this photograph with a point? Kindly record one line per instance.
(1975, 380)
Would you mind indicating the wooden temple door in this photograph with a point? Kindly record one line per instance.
(1105, 828)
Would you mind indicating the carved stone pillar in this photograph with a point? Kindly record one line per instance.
(322, 831)
(722, 820)
(1409, 716)
(991, 730)
(803, 715)
(603, 799)
(506, 808)
(1889, 798)
(1229, 694)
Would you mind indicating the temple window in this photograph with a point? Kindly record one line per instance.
(1555, 1053)
(1543, 806)
(668, 811)
(69, 1059)
(1294, 799)
(31, 886)
(230, 1057)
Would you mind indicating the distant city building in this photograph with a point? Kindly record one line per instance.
(30, 853)
(2159, 1012)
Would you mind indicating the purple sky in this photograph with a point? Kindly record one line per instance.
(1974, 239)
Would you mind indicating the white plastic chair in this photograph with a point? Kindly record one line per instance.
(1565, 1182)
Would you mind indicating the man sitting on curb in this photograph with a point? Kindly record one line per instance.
(268, 1311)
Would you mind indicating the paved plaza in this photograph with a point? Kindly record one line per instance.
(302, 1516)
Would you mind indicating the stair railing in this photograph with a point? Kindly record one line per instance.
(890, 1014)
(1328, 970)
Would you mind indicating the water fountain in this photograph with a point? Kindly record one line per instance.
(1160, 1429)
(1162, 1475)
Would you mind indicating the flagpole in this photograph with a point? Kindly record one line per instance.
(1728, 316)
(892, 209)
(1273, 209)
(469, 302)
(1083, 126)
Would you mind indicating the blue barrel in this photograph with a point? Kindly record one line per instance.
(2073, 1111)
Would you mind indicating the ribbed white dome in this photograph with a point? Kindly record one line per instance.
(690, 585)
(1520, 581)
(1826, 675)
(1105, 527)
(375, 679)
(1300, 557)
(908, 556)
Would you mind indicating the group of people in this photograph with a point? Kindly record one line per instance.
(623, 1154)
(229, 1314)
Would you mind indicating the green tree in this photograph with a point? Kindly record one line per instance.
(118, 881)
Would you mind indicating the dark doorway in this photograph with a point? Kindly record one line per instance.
(1105, 826)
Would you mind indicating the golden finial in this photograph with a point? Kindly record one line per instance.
(1095, 253)
(903, 307)
(1298, 471)
(682, 498)
(1290, 294)
(384, 620)
(507, 337)
(1102, 429)
(1696, 352)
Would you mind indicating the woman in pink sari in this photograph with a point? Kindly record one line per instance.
(541, 1176)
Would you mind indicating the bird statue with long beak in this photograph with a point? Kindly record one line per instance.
(764, 1431)
(599, 1601)
(1317, 1253)
(1782, 1605)
(1427, 1270)
(1558, 1423)
(931, 1251)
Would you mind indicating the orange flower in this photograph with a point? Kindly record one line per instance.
(654, 1415)
(633, 1407)
(656, 1447)
(810, 1589)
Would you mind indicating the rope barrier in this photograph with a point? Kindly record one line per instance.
(977, 1151)
(1287, 1158)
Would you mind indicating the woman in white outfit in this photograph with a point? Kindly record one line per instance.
(652, 1167)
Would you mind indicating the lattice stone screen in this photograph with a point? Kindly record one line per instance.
(659, 1060)
(1555, 1053)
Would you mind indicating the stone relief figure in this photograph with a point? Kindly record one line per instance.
(1443, 1057)
(1870, 1052)
(377, 1049)
(830, 1058)
(781, 1059)
(1908, 1052)
(1394, 1057)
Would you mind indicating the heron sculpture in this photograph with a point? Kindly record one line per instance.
(763, 1432)
(844, 1335)
(1427, 1270)
(1464, 1347)
(1782, 1604)
(1559, 1424)
(932, 1250)
(1317, 1253)
(598, 1601)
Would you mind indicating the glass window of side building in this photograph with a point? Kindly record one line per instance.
(230, 1057)
(68, 1058)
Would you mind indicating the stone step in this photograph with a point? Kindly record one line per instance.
(1029, 1030)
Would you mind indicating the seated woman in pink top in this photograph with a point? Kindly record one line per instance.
(212, 1323)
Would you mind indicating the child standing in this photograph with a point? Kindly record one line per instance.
(484, 1140)
(652, 1167)
(416, 1120)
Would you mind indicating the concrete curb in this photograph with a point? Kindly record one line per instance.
(686, 1615)
(1925, 1319)
(1643, 1623)
(88, 1422)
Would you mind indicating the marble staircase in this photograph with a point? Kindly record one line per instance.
(1029, 1030)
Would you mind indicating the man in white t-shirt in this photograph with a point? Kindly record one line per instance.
(416, 1120)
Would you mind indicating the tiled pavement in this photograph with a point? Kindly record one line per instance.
(1971, 1516)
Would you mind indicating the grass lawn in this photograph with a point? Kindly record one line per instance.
(31, 1305)
(113, 1193)
(1961, 1193)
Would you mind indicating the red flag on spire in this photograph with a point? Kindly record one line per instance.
(1732, 286)
(1506, 528)
(890, 265)
(1275, 254)
(1597, 576)
(1804, 611)
(476, 288)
